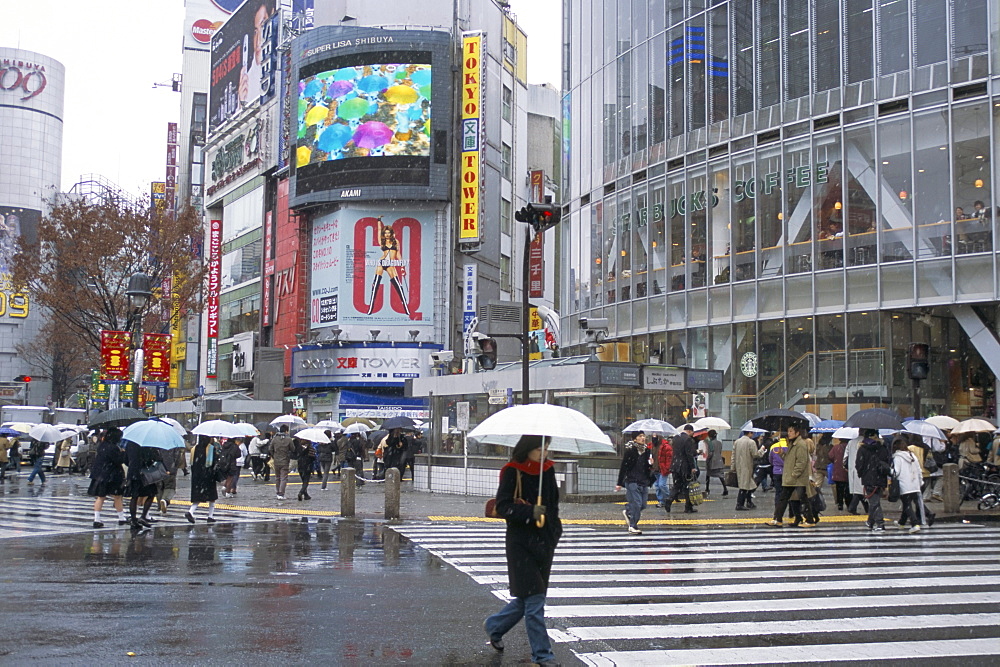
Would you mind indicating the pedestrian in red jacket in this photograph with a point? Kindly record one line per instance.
(664, 458)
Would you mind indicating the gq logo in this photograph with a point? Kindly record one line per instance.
(30, 83)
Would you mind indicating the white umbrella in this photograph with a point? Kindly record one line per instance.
(330, 425)
(287, 419)
(846, 433)
(218, 428)
(974, 426)
(752, 429)
(813, 418)
(923, 429)
(72, 427)
(21, 427)
(651, 426)
(357, 427)
(943, 422)
(174, 424)
(716, 423)
(313, 435)
(46, 433)
(248, 430)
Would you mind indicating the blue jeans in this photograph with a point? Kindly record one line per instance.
(532, 609)
(662, 488)
(37, 470)
(635, 500)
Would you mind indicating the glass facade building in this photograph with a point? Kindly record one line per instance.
(789, 191)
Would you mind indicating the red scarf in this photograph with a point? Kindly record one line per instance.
(528, 467)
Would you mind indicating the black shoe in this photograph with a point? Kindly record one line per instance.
(308, 497)
(98, 524)
(725, 493)
(189, 517)
(495, 644)
(689, 510)
(209, 519)
(149, 519)
(300, 496)
(930, 519)
(742, 509)
(135, 525)
(751, 506)
(123, 522)
(143, 522)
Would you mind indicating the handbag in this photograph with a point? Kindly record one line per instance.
(731, 478)
(154, 473)
(490, 511)
(695, 494)
(930, 463)
(894, 490)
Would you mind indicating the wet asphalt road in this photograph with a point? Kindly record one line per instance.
(269, 592)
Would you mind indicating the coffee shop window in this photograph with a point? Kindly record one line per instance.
(972, 178)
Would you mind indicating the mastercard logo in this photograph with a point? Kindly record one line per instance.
(203, 29)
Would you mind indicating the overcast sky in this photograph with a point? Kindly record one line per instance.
(115, 121)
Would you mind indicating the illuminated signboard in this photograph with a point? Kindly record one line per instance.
(472, 113)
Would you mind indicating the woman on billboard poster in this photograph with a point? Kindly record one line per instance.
(390, 262)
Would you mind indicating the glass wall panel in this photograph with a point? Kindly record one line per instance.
(864, 352)
(595, 257)
(970, 127)
(970, 29)
(769, 48)
(695, 55)
(578, 261)
(799, 293)
(797, 45)
(657, 92)
(894, 36)
(624, 103)
(624, 25)
(675, 12)
(862, 286)
(657, 16)
(720, 200)
(599, 37)
(798, 177)
(932, 199)
(974, 277)
(640, 98)
(930, 31)
(678, 232)
(828, 200)
(831, 357)
(826, 42)
(659, 242)
(718, 64)
(860, 33)
(935, 281)
(743, 56)
(859, 150)
(611, 250)
(771, 362)
(896, 181)
(675, 70)
(769, 214)
(745, 364)
(699, 199)
(897, 284)
(623, 270)
(744, 218)
(610, 116)
(640, 244)
(640, 22)
(800, 370)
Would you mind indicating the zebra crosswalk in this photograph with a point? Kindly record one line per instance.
(754, 595)
(28, 516)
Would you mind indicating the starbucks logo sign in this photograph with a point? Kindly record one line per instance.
(748, 364)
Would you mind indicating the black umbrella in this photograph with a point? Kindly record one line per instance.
(875, 418)
(398, 422)
(376, 436)
(777, 419)
(117, 417)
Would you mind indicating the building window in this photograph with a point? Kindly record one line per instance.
(509, 52)
(505, 168)
(505, 217)
(505, 282)
(508, 103)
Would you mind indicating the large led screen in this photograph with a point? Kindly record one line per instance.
(372, 110)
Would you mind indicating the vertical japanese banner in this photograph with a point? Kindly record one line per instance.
(156, 358)
(535, 331)
(536, 253)
(472, 106)
(470, 285)
(171, 182)
(268, 273)
(116, 348)
(214, 286)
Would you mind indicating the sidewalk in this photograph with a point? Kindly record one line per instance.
(415, 505)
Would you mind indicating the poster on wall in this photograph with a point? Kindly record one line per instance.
(243, 67)
(372, 266)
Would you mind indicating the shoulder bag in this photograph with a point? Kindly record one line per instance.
(154, 473)
(491, 504)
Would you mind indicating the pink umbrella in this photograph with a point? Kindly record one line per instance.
(372, 135)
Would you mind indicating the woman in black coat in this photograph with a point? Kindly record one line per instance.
(138, 458)
(306, 459)
(107, 478)
(203, 478)
(529, 548)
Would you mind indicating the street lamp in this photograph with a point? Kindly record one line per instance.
(139, 292)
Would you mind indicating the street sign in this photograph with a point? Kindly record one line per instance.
(498, 400)
(462, 415)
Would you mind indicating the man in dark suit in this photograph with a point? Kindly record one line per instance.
(684, 467)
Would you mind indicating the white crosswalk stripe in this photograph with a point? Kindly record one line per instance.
(754, 595)
(26, 516)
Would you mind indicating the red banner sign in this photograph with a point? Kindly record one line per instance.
(536, 255)
(116, 351)
(214, 276)
(156, 358)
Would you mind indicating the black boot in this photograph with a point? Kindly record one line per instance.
(401, 292)
(375, 284)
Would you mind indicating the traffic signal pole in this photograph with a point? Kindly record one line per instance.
(525, 319)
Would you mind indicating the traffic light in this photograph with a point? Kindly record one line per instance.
(918, 364)
(488, 358)
(540, 216)
(22, 378)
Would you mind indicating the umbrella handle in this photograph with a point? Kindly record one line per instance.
(541, 521)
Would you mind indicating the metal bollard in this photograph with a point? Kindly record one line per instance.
(392, 493)
(950, 489)
(347, 487)
(571, 478)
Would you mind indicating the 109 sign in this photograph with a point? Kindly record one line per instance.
(27, 82)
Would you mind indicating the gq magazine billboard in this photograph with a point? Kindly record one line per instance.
(244, 61)
(370, 115)
(373, 265)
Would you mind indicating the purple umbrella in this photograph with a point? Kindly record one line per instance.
(372, 135)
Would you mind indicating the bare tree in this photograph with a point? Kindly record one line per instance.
(61, 357)
(85, 252)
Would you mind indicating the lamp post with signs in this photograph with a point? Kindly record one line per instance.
(139, 292)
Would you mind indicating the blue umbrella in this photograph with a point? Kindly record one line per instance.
(153, 433)
(9, 432)
(827, 426)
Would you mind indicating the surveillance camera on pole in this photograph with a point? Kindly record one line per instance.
(596, 330)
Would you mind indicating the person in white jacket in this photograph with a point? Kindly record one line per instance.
(906, 469)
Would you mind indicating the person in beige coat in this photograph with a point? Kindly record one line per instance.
(4, 458)
(63, 461)
(795, 478)
(745, 450)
